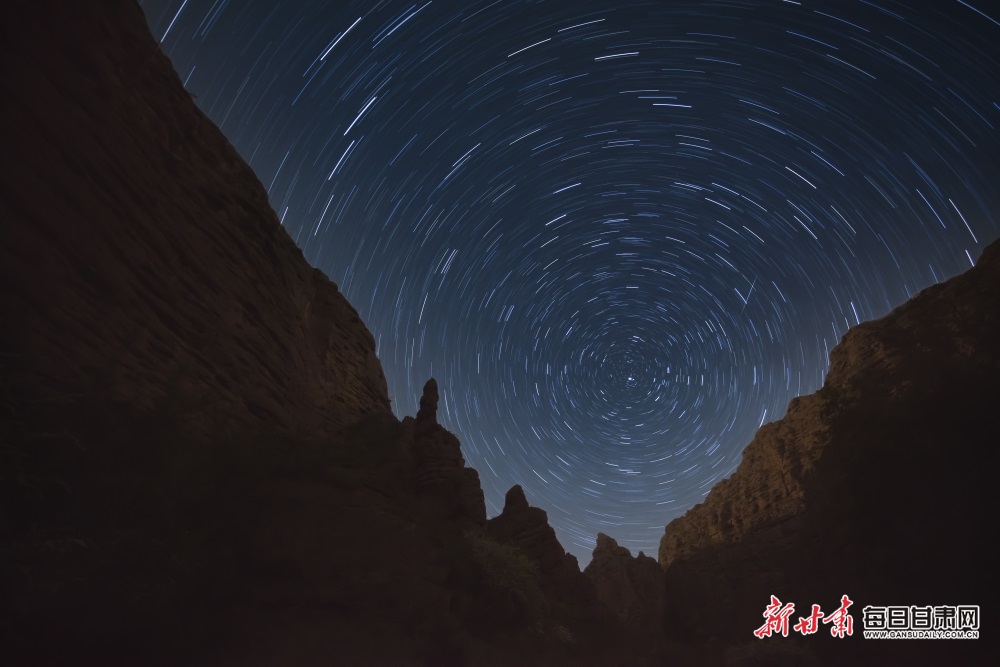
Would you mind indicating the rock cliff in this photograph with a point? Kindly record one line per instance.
(633, 588)
(766, 488)
(528, 529)
(198, 464)
(571, 596)
(440, 474)
(877, 486)
(139, 255)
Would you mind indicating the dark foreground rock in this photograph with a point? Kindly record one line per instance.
(198, 464)
(572, 596)
(440, 475)
(633, 588)
(139, 254)
(879, 486)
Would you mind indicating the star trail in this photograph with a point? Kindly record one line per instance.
(621, 235)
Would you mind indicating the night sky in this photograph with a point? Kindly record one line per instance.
(621, 235)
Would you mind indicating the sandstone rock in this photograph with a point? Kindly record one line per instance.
(426, 418)
(198, 464)
(139, 255)
(633, 588)
(877, 486)
(528, 529)
(767, 487)
(439, 468)
(569, 592)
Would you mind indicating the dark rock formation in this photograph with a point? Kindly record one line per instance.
(877, 486)
(571, 594)
(633, 588)
(197, 459)
(139, 256)
(198, 464)
(766, 488)
(528, 529)
(439, 468)
(426, 419)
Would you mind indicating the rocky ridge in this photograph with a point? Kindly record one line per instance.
(575, 598)
(527, 528)
(197, 456)
(439, 470)
(887, 360)
(877, 485)
(633, 588)
(767, 487)
(140, 256)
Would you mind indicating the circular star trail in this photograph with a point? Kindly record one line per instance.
(621, 235)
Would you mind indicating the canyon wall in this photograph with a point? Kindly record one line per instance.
(198, 461)
(878, 486)
(139, 255)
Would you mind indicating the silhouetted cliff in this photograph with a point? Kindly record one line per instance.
(631, 587)
(878, 486)
(198, 464)
(139, 254)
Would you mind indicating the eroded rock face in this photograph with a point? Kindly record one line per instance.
(426, 418)
(566, 588)
(633, 588)
(767, 487)
(878, 486)
(528, 529)
(439, 468)
(139, 254)
(197, 459)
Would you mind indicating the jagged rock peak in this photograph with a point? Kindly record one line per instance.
(606, 543)
(631, 587)
(941, 342)
(427, 414)
(528, 528)
(515, 500)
